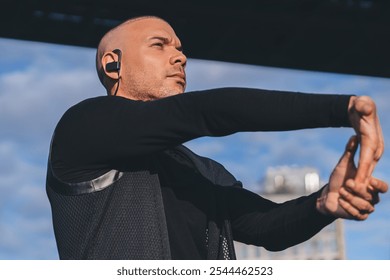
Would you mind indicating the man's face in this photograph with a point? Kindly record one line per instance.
(152, 62)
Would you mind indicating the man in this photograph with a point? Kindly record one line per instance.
(122, 186)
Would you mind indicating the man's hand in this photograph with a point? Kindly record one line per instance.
(338, 200)
(365, 121)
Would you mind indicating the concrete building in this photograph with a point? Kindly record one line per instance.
(285, 183)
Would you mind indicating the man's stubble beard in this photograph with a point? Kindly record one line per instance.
(141, 91)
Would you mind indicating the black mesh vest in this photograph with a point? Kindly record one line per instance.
(120, 215)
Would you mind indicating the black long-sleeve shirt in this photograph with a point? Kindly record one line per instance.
(105, 133)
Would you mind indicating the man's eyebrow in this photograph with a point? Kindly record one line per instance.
(161, 38)
(165, 40)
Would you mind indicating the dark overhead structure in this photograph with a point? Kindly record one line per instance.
(342, 36)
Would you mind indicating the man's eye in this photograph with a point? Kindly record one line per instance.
(159, 44)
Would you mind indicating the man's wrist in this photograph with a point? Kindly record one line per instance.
(351, 102)
(321, 201)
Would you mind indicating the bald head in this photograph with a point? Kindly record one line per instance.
(115, 39)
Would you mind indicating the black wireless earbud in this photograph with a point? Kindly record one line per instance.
(116, 65)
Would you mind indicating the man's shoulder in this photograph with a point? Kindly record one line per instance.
(82, 109)
(90, 102)
(93, 105)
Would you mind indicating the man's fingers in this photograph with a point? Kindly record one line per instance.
(365, 121)
(367, 161)
(381, 147)
(362, 205)
(364, 171)
(352, 211)
(355, 196)
(352, 145)
(379, 185)
(349, 152)
(360, 189)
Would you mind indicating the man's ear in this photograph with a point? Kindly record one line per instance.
(110, 63)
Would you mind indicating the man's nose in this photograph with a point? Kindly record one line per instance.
(179, 57)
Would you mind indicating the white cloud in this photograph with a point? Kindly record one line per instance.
(24, 238)
(25, 220)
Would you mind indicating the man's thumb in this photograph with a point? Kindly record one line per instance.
(350, 150)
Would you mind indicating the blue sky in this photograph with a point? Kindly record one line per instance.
(38, 82)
